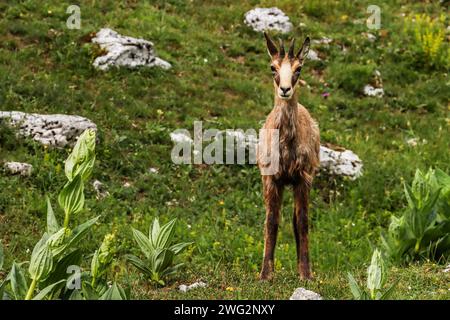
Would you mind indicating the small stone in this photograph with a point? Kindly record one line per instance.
(412, 142)
(100, 189)
(447, 269)
(371, 37)
(185, 288)
(323, 40)
(23, 169)
(313, 56)
(371, 91)
(153, 170)
(304, 294)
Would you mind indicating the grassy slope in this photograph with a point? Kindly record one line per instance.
(221, 75)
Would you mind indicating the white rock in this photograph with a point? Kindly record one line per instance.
(153, 170)
(370, 91)
(304, 294)
(341, 163)
(56, 130)
(412, 142)
(312, 55)
(125, 51)
(23, 169)
(323, 40)
(185, 288)
(100, 189)
(263, 19)
(371, 37)
(447, 269)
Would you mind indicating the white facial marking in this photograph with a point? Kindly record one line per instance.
(285, 81)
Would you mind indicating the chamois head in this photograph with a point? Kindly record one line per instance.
(286, 67)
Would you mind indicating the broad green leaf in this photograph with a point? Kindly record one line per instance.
(177, 248)
(166, 234)
(139, 264)
(354, 288)
(376, 273)
(388, 293)
(410, 196)
(143, 242)
(71, 197)
(2, 289)
(2, 257)
(113, 293)
(95, 265)
(42, 242)
(44, 292)
(41, 263)
(161, 260)
(88, 292)
(57, 239)
(18, 282)
(172, 270)
(79, 232)
(80, 161)
(52, 223)
(154, 232)
(60, 270)
(76, 295)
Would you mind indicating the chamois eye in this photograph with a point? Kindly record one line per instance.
(297, 71)
(274, 70)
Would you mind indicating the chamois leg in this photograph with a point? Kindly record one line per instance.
(273, 195)
(300, 221)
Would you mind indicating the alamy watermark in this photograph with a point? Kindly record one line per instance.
(74, 20)
(373, 22)
(227, 147)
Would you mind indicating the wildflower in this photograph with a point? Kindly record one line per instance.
(325, 94)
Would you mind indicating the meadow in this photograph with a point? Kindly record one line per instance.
(221, 76)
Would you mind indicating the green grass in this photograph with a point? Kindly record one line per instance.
(221, 76)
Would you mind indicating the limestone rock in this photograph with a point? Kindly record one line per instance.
(185, 288)
(123, 51)
(371, 91)
(304, 294)
(341, 163)
(100, 189)
(265, 19)
(56, 130)
(23, 169)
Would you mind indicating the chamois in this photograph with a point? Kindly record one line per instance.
(298, 156)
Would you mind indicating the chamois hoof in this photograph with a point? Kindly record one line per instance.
(265, 275)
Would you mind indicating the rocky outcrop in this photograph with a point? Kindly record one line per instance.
(340, 162)
(125, 51)
(304, 294)
(56, 130)
(265, 19)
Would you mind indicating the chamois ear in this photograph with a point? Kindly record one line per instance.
(303, 53)
(291, 49)
(282, 52)
(271, 48)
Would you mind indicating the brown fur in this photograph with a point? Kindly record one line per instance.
(299, 143)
